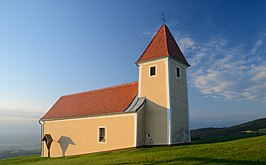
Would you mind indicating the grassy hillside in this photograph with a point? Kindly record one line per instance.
(251, 128)
(242, 151)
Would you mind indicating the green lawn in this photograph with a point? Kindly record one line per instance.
(248, 150)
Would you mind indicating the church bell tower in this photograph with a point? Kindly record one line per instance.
(163, 81)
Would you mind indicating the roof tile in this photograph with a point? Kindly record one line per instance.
(163, 44)
(96, 102)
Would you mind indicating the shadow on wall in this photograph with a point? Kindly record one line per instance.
(64, 142)
(156, 115)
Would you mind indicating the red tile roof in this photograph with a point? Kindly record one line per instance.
(102, 101)
(163, 44)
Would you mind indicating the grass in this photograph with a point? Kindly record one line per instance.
(240, 150)
(262, 131)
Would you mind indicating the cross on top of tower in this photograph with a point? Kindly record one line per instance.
(163, 17)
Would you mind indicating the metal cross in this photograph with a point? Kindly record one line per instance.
(163, 17)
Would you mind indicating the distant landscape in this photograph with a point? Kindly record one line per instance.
(252, 133)
(19, 145)
(250, 128)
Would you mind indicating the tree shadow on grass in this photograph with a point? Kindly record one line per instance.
(199, 160)
(219, 139)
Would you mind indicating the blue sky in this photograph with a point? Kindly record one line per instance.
(53, 48)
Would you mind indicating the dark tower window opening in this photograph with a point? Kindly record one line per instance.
(102, 134)
(178, 73)
(152, 71)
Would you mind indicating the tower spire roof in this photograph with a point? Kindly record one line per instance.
(163, 44)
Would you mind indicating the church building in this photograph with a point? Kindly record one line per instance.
(151, 111)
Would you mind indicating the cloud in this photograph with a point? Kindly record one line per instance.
(259, 73)
(150, 34)
(213, 83)
(256, 46)
(18, 114)
(255, 92)
(220, 70)
(147, 34)
(187, 43)
(184, 41)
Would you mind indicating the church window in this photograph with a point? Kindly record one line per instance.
(152, 71)
(148, 135)
(102, 134)
(178, 72)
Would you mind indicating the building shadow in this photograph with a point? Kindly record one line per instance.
(64, 142)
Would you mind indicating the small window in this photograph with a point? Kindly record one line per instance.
(178, 73)
(102, 134)
(152, 71)
(148, 135)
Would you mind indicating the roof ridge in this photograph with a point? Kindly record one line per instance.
(101, 89)
(166, 40)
